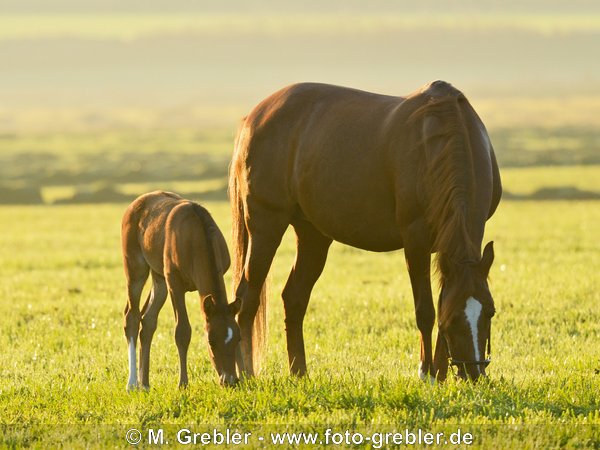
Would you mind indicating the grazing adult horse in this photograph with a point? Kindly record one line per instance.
(180, 243)
(375, 172)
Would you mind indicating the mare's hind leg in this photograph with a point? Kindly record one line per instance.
(266, 228)
(417, 251)
(311, 254)
(136, 272)
(183, 329)
(150, 312)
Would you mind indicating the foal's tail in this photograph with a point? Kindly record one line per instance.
(240, 250)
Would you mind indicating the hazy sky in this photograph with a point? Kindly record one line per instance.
(217, 54)
(140, 6)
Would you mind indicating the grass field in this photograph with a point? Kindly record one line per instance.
(64, 364)
(64, 368)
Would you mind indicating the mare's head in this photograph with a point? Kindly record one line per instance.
(223, 335)
(466, 310)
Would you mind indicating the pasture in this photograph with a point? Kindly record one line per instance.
(64, 364)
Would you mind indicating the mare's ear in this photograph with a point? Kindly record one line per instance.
(487, 258)
(234, 307)
(208, 304)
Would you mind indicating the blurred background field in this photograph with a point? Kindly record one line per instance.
(102, 100)
(109, 166)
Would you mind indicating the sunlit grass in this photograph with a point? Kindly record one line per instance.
(65, 355)
(63, 287)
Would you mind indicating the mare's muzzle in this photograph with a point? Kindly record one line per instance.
(460, 363)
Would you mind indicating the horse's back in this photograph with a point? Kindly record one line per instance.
(195, 249)
(310, 146)
(352, 162)
(143, 225)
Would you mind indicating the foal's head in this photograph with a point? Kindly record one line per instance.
(466, 311)
(223, 335)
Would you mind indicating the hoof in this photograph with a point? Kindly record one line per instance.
(427, 378)
(228, 380)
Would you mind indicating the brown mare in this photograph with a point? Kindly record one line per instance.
(180, 243)
(378, 173)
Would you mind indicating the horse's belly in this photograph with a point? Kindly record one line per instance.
(358, 225)
(376, 240)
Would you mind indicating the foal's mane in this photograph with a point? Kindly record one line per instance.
(448, 182)
(209, 227)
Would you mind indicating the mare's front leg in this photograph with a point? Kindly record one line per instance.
(440, 357)
(183, 329)
(417, 251)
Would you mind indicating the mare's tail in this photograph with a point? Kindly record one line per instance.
(240, 250)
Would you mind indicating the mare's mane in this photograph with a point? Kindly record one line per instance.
(448, 182)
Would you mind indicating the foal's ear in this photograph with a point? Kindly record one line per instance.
(487, 258)
(234, 307)
(208, 304)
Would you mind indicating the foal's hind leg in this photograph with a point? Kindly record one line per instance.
(183, 329)
(311, 254)
(417, 252)
(150, 312)
(136, 272)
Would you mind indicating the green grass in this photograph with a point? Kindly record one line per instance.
(64, 364)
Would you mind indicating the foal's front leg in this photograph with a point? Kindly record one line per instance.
(417, 252)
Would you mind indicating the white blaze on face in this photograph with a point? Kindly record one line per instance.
(473, 311)
(229, 335)
(132, 365)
